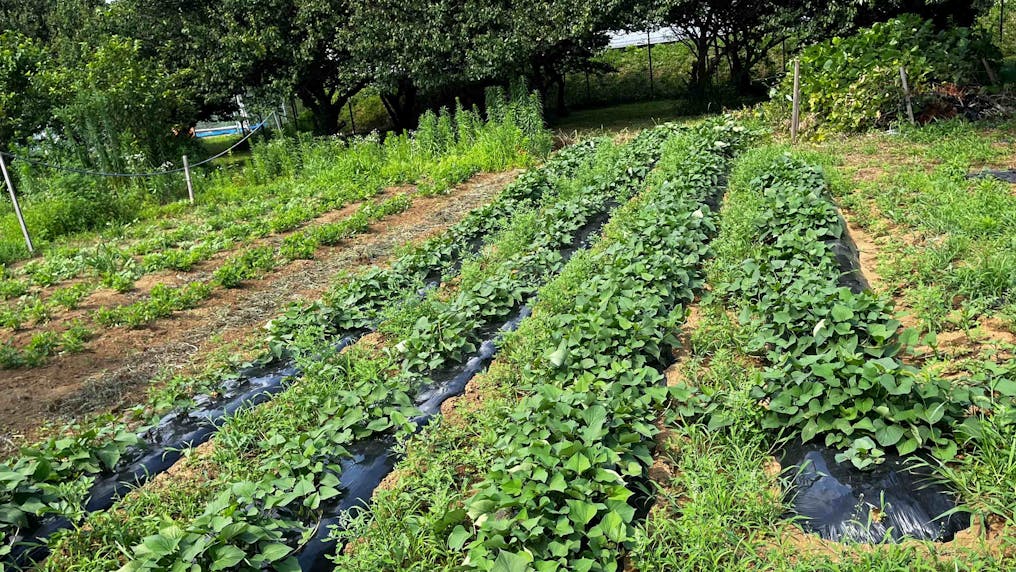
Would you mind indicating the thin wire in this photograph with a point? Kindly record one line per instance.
(133, 175)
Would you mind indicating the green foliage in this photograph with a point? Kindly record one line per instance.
(118, 107)
(556, 497)
(853, 83)
(162, 301)
(23, 102)
(251, 263)
(53, 477)
(834, 355)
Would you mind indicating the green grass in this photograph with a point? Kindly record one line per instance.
(946, 240)
(626, 117)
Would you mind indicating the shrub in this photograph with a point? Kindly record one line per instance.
(853, 83)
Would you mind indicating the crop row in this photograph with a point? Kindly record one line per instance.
(347, 397)
(301, 331)
(358, 302)
(354, 173)
(558, 470)
(28, 498)
(835, 367)
(163, 300)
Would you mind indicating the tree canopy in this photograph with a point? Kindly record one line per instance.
(180, 61)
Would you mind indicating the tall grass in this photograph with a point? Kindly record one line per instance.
(446, 149)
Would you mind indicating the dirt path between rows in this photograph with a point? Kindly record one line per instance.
(103, 297)
(116, 370)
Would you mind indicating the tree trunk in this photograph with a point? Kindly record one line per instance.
(700, 74)
(401, 105)
(562, 106)
(740, 72)
(325, 112)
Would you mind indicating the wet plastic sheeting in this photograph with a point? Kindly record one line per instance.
(849, 260)
(1009, 176)
(884, 504)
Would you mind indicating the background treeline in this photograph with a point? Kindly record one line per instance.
(112, 80)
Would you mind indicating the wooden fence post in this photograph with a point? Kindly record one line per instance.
(186, 174)
(906, 95)
(17, 207)
(649, 49)
(992, 77)
(795, 119)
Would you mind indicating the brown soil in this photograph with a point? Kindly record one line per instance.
(103, 297)
(116, 370)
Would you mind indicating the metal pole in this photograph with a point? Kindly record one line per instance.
(906, 95)
(275, 114)
(186, 174)
(17, 207)
(796, 117)
(649, 48)
(1001, 20)
(352, 123)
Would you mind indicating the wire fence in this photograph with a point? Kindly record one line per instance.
(185, 169)
(66, 169)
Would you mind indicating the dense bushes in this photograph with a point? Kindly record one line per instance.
(853, 83)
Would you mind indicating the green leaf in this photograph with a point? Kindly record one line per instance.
(614, 527)
(842, 313)
(889, 435)
(559, 355)
(457, 539)
(108, 456)
(908, 446)
(275, 551)
(1006, 387)
(581, 512)
(160, 545)
(512, 562)
(227, 557)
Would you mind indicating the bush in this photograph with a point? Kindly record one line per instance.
(853, 83)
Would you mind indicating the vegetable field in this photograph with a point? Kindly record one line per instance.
(690, 348)
(444, 304)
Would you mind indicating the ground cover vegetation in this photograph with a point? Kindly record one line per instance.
(716, 419)
(526, 253)
(285, 187)
(29, 498)
(546, 462)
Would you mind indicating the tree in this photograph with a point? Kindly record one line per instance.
(184, 37)
(279, 47)
(943, 13)
(24, 103)
(118, 108)
(436, 48)
(743, 32)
